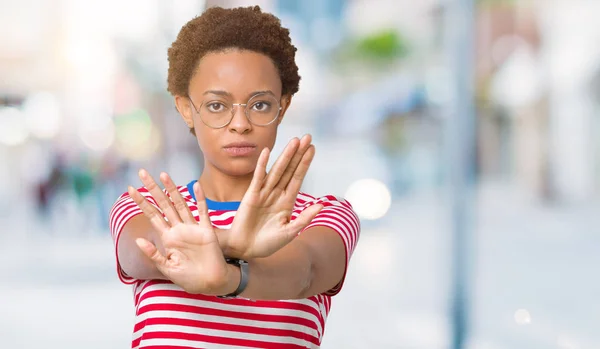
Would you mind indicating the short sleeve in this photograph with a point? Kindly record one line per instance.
(337, 214)
(122, 211)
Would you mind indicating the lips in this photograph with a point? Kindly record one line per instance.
(240, 145)
(240, 148)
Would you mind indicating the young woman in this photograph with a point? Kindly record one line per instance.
(238, 258)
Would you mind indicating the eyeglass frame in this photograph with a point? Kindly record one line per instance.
(233, 112)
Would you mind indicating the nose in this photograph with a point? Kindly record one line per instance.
(239, 123)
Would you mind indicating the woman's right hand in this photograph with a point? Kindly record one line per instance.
(262, 224)
(186, 251)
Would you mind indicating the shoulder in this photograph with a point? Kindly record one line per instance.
(304, 200)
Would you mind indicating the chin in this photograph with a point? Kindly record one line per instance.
(238, 168)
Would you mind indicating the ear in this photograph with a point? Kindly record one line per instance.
(286, 101)
(184, 107)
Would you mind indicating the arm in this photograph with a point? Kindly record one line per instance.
(313, 263)
(131, 259)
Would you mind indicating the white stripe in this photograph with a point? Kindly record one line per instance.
(220, 217)
(227, 334)
(187, 344)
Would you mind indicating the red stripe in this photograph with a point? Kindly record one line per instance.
(218, 212)
(219, 340)
(233, 328)
(136, 343)
(223, 222)
(229, 313)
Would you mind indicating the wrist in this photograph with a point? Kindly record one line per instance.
(223, 237)
(237, 278)
(226, 248)
(232, 280)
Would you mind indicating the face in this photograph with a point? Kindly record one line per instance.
(222, 79)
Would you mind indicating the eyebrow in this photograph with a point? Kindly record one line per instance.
(227, 94)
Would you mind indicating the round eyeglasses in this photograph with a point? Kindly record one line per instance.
(261, 110)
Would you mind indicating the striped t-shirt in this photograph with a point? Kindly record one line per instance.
(168, 317)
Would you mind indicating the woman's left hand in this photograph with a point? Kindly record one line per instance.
(262, 224)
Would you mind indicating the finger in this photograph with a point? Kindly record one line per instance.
(260, 172)
(161, 198)
(152, 213)
(280, 165)
(298, 177)
(303, 220)
(204, 218)
(182, 208)
(291, 168)
(151, 252)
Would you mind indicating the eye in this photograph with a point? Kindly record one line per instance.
(215, 107)
(261, 106)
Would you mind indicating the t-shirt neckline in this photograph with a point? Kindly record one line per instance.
(214, 205)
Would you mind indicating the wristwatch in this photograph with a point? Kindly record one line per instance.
(243, 265)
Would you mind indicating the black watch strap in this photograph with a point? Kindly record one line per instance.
(244, 270)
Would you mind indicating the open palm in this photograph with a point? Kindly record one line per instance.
(189, 255)
(262, 224)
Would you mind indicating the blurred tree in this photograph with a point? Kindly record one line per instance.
(375, 52)
(384, 45)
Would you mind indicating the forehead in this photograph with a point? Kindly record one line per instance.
(237, 72)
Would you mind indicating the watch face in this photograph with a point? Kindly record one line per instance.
(226, 297)
(234, 261)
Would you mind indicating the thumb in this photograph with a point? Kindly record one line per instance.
(151, 251)
(304, 219)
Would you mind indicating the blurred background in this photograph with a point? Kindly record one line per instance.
(83, 105)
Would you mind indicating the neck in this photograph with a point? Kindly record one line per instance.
(221, 187)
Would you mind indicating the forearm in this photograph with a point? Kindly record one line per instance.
(131, 259)
(286, 274)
